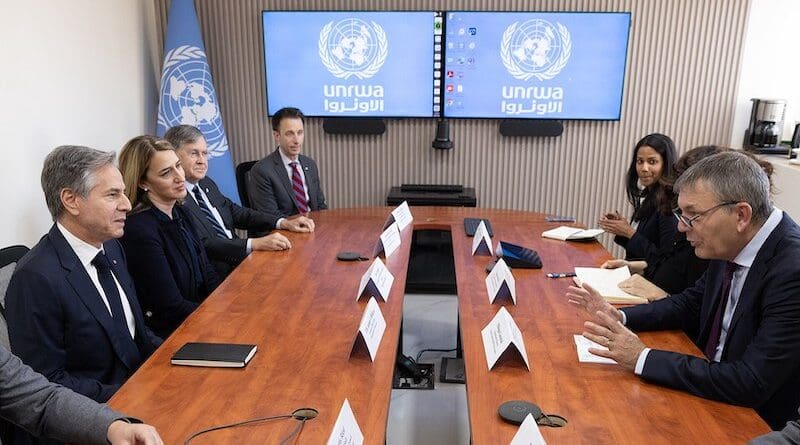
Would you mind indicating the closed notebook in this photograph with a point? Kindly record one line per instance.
(566, 233)
(219, 355)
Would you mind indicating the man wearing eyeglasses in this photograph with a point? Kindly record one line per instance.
(745, 309)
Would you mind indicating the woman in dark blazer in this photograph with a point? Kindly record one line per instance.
(168, 263)
(649, 228)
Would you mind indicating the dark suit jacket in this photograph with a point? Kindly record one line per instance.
(654, 232)
(161, 266)
(59, 325)
(270, 188)
(675, 267)
(760, 364)
(226, 254)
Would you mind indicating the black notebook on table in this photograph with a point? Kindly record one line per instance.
(218, 355)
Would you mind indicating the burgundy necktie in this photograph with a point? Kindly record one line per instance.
(716, 323)
(299, 190)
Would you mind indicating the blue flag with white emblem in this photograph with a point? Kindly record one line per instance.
(187, 93)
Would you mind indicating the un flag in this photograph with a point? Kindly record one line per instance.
(187, 93)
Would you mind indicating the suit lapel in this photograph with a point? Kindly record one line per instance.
(755, 277)
(217, 200)
(88, 294)
(280, 170)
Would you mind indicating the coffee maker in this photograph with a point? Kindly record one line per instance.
(763, 135)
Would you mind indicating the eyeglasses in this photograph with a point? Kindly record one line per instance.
(688, 222)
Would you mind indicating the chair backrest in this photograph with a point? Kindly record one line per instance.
(9, 256)
(242, 178)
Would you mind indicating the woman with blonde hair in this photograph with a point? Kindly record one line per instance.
(168, 263)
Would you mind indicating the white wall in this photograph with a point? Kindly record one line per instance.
(73, 72)
(770, 63)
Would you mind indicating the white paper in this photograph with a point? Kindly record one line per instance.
(584, 356)
(564, 233)
(500, 274)
(481, 240)
(390, 239)
(345, 430)
(378, 278)
(402, 215)
(500, 334)
(606, 282)
(372, 327)
(528, 433)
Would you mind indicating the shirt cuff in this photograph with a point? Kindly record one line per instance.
(249, 247)
(624, 318)
(279, 223)
(640, 362)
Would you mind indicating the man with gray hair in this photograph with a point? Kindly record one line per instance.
(71, 306)
(216, 216)
(745, 309)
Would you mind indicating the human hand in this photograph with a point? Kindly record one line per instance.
(591, 301)
(641, 287)
(298, 224)
(124, 433)
(615, 224)
(614, 264)
(624, 347)
(273, 241)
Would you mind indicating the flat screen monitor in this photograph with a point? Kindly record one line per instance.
(534, 65)
(353, 63)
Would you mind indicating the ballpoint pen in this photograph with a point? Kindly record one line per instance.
(561, 275)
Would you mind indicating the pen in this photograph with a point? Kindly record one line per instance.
(560, 219)
(561, 275)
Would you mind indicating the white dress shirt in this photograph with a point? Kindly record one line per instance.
(744, 260)
(86, 253)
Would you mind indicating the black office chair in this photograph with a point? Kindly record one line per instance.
(9, 257)
(242, 178)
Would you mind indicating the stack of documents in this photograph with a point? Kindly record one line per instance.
(565, 233)
(584, 356)
(606, 281)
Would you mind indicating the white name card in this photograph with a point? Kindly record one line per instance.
(481, 243)
(500, 282)
(402, 216)
(376, 281)
(389, 240)
(528, 433)
(501, 335)
(370, 330)
(346, 430)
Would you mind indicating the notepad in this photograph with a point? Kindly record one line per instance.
(606, 281)
(582, 344)
(216, 355)
(566, 233)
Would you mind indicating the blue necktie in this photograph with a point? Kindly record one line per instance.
(207, 213)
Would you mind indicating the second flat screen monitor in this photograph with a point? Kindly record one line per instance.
(352, 63)
(534, 65)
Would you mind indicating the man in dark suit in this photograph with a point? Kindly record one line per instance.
(71, 306)
(286, 182)
(216, 216)
(745, 309)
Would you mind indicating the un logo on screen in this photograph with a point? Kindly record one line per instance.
(187, 97)
(353, 47)
(535, 48)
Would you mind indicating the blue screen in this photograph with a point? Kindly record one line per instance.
(351, 64)
(532, 65)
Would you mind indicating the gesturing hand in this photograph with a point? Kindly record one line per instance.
(590, 300)
(624, 347)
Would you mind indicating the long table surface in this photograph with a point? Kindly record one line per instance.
(299, 306)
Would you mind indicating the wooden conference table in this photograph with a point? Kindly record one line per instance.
(300, 308)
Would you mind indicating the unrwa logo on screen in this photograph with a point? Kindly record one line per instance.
(187, 97)
(353, 47)
(535, 48)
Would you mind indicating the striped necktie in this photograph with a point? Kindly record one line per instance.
(207, 213)
(299, 190)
